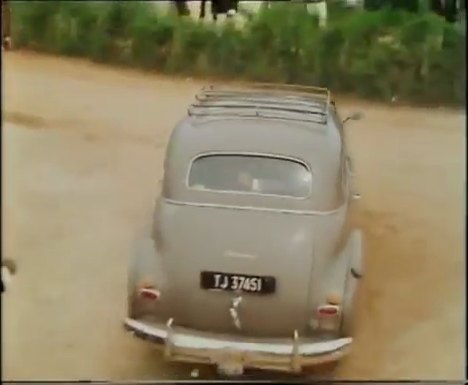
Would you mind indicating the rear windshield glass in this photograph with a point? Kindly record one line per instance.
(250, 174)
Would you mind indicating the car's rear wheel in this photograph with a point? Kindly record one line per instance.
(259, 374)
(324, 372)
(225, 373)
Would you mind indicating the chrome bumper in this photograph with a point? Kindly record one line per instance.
(289, 355)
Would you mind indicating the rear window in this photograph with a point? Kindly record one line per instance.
(252, 174)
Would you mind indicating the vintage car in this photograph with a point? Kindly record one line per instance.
(251, 261)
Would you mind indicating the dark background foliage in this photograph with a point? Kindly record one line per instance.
(391, 51)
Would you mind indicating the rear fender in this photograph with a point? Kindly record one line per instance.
(144, 269)
(355, 271)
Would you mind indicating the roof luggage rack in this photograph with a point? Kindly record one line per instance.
(287, 102)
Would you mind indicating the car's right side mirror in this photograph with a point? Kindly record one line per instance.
(354, 116)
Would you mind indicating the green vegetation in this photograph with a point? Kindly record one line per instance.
(416, 56)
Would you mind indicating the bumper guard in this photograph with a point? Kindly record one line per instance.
(288, 355)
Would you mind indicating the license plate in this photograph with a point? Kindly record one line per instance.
(211, 280)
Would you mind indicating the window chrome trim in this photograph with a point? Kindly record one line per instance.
(252, 154)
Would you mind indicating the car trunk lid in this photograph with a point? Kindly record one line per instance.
(241, 242)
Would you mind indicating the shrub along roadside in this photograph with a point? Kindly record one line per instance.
(417, 57)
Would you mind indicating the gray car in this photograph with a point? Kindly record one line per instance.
(250, 261)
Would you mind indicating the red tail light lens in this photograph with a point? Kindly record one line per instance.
(328, 311)
(149, 293)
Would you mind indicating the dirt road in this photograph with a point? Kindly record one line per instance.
(82, 153)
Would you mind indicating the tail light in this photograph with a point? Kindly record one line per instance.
(149, 293)
(327, 311)
(143, 300)
(327, 318)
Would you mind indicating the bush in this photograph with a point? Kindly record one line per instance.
(416, 56)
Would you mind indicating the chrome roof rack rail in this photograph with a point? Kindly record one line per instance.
(292, 90)
(265, 100)
(221, 112)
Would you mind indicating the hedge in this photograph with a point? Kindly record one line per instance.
(416, 57)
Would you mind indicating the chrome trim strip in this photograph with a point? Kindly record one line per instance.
(253, 208)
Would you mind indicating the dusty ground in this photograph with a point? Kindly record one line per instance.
(82, 152)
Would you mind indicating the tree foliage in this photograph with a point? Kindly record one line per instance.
(416, 56)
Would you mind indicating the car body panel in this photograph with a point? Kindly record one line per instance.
(251, 242)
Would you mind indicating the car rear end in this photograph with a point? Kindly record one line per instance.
(242, 269)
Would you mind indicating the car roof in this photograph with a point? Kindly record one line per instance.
(281, 120)
(285, 123)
